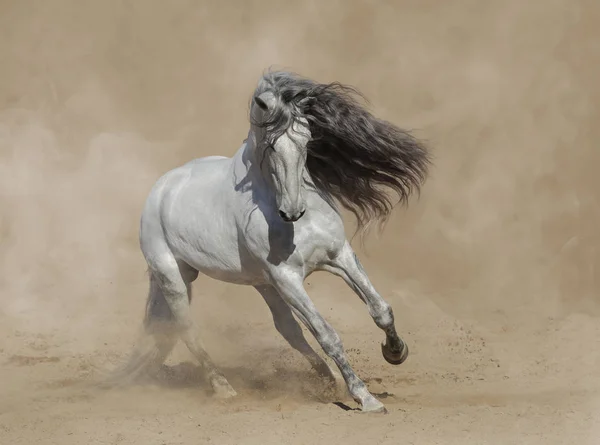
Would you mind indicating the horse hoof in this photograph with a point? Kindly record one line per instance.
(394, 358)
(373, 407)
(381, 410)
(224, 392)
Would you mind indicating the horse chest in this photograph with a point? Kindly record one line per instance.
(305, 244)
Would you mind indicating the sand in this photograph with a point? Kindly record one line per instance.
(491, 271)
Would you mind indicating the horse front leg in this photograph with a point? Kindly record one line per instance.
(290, 330)
(288, 284)
(347, 266)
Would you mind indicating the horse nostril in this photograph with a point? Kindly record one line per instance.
(284, 216)
(291, 218)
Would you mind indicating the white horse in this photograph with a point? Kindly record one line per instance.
(266, 217)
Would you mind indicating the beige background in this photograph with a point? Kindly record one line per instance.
(492, 273)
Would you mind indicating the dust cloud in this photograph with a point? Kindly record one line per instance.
(491, 272)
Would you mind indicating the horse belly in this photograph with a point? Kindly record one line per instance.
(227, 273)
(220, 261)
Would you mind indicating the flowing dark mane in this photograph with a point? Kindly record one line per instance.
(353, 156)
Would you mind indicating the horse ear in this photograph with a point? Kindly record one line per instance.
(266, 100)
(306, 102)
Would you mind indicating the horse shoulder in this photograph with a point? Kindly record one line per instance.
(317, 238)
(323, 234)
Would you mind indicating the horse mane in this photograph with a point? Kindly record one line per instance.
(353, 156)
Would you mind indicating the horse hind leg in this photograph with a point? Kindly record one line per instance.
(174, 280)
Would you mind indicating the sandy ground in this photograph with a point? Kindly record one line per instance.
(491, 273)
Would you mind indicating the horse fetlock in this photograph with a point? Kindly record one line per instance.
(384, 317)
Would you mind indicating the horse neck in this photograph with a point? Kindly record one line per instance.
(248, 159)
(245, 155)
(246, 163)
